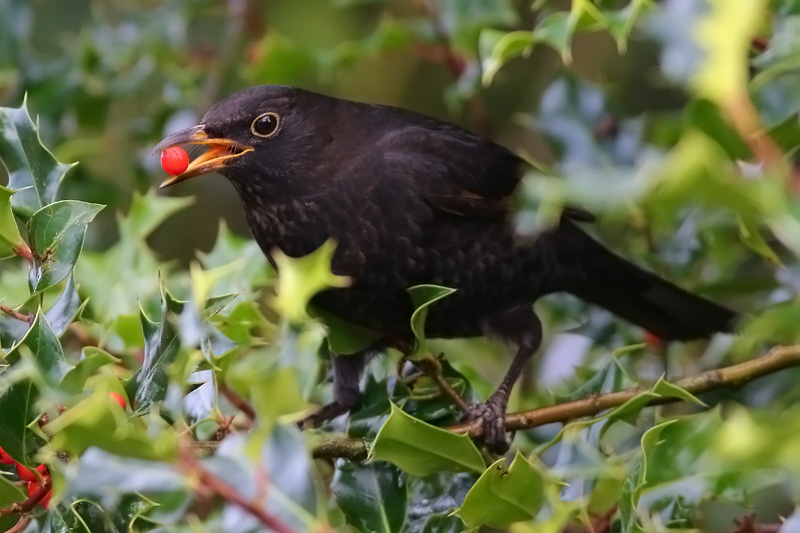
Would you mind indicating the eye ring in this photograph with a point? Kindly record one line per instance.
(266, 124)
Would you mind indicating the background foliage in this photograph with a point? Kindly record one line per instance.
(676, 122)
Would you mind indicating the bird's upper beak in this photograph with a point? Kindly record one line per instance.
(220, 151)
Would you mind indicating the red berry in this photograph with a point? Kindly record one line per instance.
(117, 398)
(33, 488)
(27, 475)
(5, 459)
(174, 160)
(653, 340)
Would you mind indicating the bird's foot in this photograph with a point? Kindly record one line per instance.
(492, 416)
(323, 414)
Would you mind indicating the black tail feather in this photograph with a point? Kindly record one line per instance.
(643, 298)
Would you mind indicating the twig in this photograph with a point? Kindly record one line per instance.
(433, 368)
(237, 401)
(747, 524)
(13, 313)
(23, 250)
(225, 491)
(734, 376)
(21, 524)
(30, 503)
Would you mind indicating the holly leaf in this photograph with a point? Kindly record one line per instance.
(9, 232)
(34, 173)
(301, 278)
(373, 496)
(502, 496)
(423, 296)
(56, 234)
(422, 449)
(161, 347)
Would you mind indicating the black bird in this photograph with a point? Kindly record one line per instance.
(411, 200)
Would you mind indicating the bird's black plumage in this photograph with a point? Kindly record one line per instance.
(411, 200)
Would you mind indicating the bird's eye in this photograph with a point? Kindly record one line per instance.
(266, 125)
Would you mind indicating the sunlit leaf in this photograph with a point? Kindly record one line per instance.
(502, 496)
(301, 278)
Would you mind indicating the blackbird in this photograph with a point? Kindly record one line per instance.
(411, 200)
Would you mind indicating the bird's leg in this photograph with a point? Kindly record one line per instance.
(523, 326)
(347, 371)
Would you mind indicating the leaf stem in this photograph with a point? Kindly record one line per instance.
(13, 313)
(23, 250)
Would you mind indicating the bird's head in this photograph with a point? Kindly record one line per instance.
(257, 134)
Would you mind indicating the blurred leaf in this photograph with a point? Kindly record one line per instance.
(33, 171)
(301, 278)
(724, 35)
(9, 233)
(344, 338)
(56, 235)
(503, 496)
(373, 496)
(101, 422)
(148, 212)
(93, 358)
(421, 449)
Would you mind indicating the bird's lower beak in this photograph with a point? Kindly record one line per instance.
(220, 151)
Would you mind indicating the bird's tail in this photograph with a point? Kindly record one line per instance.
(639, 296)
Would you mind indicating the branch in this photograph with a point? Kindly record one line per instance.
(30, 503)
(735, 376)
(226, 492)
(13, 313)
(237, 401)
(23, 250)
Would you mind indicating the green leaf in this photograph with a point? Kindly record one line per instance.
(344, 337)
(637, 479)
(301, 278)
(100, 422)
(373, 496)
(161, 346)
(56, 234)
(10, 492)
(20, 387)
(93, 358)
(499, 47)
(629, 410)
(422, 449)
(148, 212)
(503, 496)
(33, 170)
(9, 232)
(423, 296)
(66, 308)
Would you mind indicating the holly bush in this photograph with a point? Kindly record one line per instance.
(148, 387)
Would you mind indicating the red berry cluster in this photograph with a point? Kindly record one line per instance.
(32, 479)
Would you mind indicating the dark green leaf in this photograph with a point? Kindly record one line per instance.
(9, 232)
(33, 171)
(56, 234)
(372, 496)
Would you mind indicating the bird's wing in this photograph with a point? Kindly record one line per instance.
(460, 173)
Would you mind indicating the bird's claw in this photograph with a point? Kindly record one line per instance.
(492, 417)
